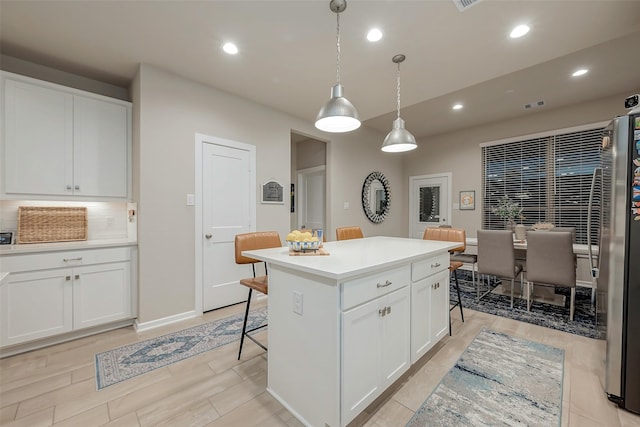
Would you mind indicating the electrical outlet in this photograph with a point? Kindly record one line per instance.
(297, 302)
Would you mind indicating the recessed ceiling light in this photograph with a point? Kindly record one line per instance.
(230, 48)
(457, 107)
(374, 35)
(580, 72)
(519, 31)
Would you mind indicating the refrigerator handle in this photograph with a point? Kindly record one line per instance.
(594, 265)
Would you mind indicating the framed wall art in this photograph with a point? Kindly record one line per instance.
(272, 192)
(467, 200)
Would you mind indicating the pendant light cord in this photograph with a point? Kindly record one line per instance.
(398, 77)
(338, 48)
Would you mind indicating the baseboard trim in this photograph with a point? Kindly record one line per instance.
(14, 349)
(145, 326)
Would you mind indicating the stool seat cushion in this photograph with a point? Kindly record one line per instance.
(454, 265)
(260, 283)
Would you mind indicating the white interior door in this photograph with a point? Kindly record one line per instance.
(429, 203)
(311, 197)
(228, 208)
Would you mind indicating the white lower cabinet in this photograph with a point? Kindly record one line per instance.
(36, 305)
(101, 294)
(429, 313)
(375, 346)
(39, 302)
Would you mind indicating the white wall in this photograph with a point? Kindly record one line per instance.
(170, 110)
(460, 153)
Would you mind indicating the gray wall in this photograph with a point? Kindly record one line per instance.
(170, 110)
(460, 152)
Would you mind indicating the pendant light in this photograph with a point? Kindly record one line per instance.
(399, 139)
(338, 115)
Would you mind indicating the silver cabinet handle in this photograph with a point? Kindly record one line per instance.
(436, 265)
(69, 187)
(67, 278)
(387, 283)
(72, 259)
(435, 285)
(384, 311)
(77, 187)
(208, 235)
(77, 276)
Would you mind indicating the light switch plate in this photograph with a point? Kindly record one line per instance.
(191, 199)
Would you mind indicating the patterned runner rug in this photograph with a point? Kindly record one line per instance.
(138, 358)
(499, 380)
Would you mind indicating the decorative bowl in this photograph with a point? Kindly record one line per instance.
(303, 246)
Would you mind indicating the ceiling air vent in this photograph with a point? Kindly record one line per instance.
(463, 5)
(533, 105)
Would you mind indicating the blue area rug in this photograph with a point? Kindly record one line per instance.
(131, 360)
(499, 380)
(541, 314)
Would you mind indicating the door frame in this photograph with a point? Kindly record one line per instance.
(200, 140)
(448, 176)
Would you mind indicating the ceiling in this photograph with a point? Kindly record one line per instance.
(287, 57)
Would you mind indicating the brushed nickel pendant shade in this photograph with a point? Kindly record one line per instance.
(338, 114)
(399, 139)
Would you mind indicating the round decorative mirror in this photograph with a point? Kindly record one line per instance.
(376, 197)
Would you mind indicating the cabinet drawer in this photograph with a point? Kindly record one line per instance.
(429, 266)
(43, 261)
(366, 288)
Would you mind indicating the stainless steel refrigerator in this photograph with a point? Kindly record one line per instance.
(616, 269)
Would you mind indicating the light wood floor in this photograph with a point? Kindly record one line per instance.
(56, 385)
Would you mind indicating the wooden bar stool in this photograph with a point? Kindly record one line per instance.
(247, 242)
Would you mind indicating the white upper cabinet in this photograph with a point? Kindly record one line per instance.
(59, 141)
(38, 139)
(100, 156)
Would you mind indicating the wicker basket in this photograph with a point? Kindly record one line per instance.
(51, 224)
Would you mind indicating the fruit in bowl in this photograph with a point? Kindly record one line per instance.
(302, 241)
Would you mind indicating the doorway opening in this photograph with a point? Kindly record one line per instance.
(309, 183)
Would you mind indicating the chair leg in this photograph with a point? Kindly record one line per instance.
(455, 276)
(244, 324)
(512, 280)
(572, 308)
(529, 293)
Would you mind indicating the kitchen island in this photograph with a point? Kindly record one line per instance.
(344, 327)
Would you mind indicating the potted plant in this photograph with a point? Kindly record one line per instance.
(508, 211)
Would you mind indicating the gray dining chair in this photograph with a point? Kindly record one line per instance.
(572, 230)
(496, 256)
(551, 261)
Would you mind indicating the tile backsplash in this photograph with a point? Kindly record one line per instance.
(106, 220)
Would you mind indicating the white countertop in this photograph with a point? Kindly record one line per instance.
(27, 248)
(348, 258)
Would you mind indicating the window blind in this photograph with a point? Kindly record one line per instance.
(549, 177)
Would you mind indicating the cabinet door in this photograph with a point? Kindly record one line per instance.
(440, 306)
(101, 147)
(101, 294)
(35, 305)
(396, 336)
(421, 318)
(361, 358)
(38, 140)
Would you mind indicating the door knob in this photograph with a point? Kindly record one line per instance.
(208, 235)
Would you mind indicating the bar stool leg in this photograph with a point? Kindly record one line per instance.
(244, 324)
(455, 276)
